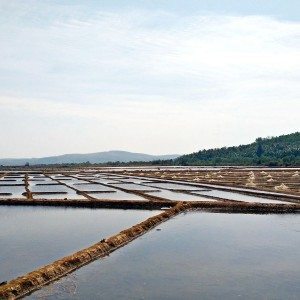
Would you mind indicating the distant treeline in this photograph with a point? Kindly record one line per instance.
(283, 150)
(272, 151)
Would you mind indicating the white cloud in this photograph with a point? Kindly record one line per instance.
(197, 81)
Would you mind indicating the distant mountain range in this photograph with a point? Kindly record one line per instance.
(99, 157)
(283, 150)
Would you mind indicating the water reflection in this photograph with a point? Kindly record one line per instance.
(33, 236)
(197, 256)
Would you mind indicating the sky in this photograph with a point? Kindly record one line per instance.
(156, 77)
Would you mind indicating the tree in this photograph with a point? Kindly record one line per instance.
(259, 150)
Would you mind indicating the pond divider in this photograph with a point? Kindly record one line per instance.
(91, 203)
(28, 192)
(223, 205)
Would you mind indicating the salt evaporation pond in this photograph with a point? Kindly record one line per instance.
(196, 256)
(174, 186)
(74, 182)
(89, 187)
(41, 188)
(118, 195)
(31, 237)
(12, 180)
(54, 191)
(238, 197)
(177, 196)
(12, 191)
(136, 187)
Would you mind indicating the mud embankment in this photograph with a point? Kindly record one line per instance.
(28, 192)
(223, 205)
(91, 203)
(243, 207)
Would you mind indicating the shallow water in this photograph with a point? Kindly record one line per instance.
(50, 188)
(64, 192)
(74, 181)
(15, 191)
(130, 180)
(16, 180)
(44, 180)
(92, 187)
(239, 197)
(62, 196)
(31, 237)
(104, 181)
(196, 256)
(132, 186)
(177, 196)
(119, 195)
(174, 186)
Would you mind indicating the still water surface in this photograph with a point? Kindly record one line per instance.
(31, 237)
(239, 197)
(196, 256)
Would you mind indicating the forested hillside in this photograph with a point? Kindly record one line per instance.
(273, 151)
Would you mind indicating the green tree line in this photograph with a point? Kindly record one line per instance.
(283, 150)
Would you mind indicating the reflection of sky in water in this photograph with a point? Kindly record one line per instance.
(198, 256)
(92, 187)
(119, 195)
(177, 196)
(34, 236)
(239, 197)
(174, 186)
(16, 191)
(131, 186)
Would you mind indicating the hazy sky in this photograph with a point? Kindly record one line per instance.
(146, 76)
